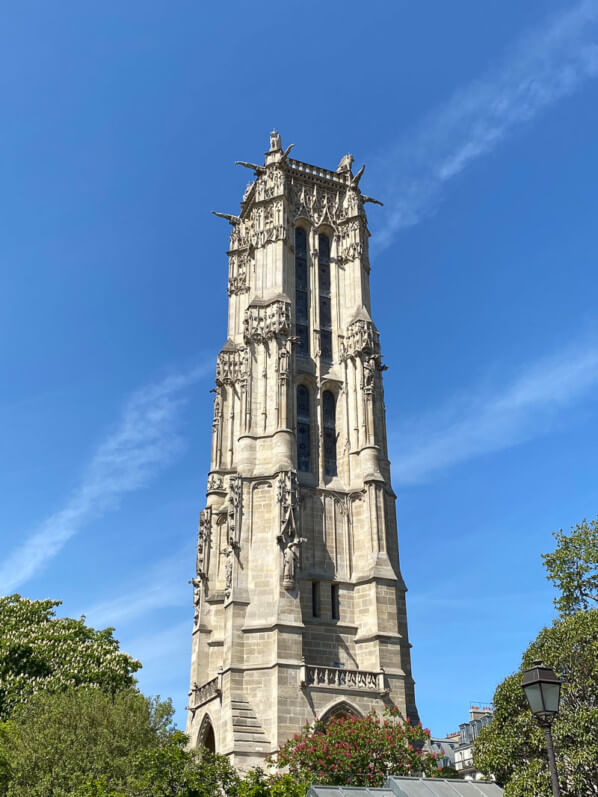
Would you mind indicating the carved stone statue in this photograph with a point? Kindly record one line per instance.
(369, 372)
(196, 582)
(346, 163)
(228, 571)
(290, 565)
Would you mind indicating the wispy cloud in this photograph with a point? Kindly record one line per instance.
(161, 586)
(490, 420)
(144, 442)
(543, 67)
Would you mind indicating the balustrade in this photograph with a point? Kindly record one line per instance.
(314, 675)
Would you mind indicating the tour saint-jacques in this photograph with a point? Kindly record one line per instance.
(299, 602)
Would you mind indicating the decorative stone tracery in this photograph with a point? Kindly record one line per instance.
(266, 321)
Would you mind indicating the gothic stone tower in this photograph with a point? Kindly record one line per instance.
(299, 600)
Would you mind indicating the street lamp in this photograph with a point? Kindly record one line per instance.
(543, 691)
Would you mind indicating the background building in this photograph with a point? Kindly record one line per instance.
(479, 717)
(299, 600)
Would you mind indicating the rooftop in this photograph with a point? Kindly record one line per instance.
(413, 787)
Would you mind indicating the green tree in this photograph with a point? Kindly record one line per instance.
(573, 567)
(59, 744)
(513, 746)
(359, 750)
(258, 784)
(172, 770)
(40, 652)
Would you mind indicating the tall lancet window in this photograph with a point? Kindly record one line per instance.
(329, 419)
(325, 309)
(301, 292)
(303, 429)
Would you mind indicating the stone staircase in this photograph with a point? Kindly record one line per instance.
(248, 733)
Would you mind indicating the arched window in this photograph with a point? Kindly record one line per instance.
(301, 292)
(329, 418)
(206, 735)
(325, 308)
(303, 429)
(341, 710)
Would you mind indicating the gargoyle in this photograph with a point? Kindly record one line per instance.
(234, 220)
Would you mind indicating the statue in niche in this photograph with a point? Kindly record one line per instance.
(228, 571)
(196, 582)
(284, 356)
(290, 564)
(370, 366)
(369, 373)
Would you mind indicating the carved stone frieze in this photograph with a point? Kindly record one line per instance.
(361, 338)
(232, 365)
(266, 321)
(316, 204)
(270, 185)
(341, 678)
(215, 482)
(241, 236)
(238, 273)
(353, 240)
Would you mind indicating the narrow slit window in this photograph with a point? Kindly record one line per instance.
(315, 598)
(301, 292)
(303, 429)
(334, 602)
(325, 306)
(329, 418)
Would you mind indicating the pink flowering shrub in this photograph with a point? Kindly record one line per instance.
(361, 751)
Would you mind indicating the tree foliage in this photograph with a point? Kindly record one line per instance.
(59, 742)
(172, 770)
(40, 652)
(359, 750)
(573, 567)
(259, 784)
(513, 746)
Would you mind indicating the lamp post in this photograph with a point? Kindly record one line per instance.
(543, 692)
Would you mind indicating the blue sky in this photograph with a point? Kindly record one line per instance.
(478, 125)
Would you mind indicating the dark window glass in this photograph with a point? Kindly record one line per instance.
(303, 429)
(325, 308)
(324, 263)
(302, 340)
(329, 417)
(301, 312)
(301, 272)
(300, 242)
(303, 403)
(334, 602)
(329, 409)
(301, 292)
(325, 314)
(315, 598)
(326, 344)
